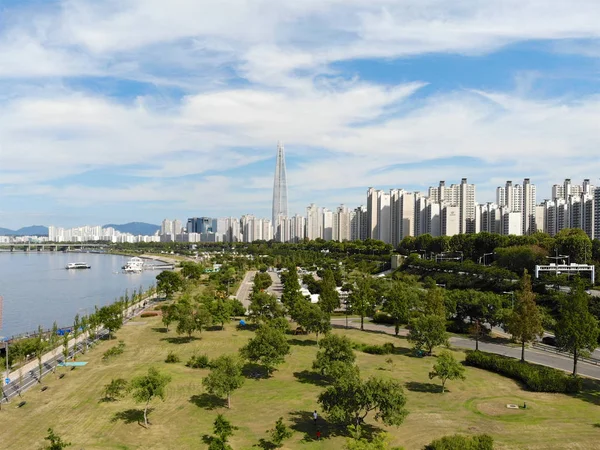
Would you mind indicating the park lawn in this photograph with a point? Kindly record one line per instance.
(73, 408)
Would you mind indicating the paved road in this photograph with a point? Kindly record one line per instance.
(245, 289)
(276, 288)
(532, 355)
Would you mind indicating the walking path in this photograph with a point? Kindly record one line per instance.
(541, 357)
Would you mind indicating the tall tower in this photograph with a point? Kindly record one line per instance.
(280, 204)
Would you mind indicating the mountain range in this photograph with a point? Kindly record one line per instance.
(134, 228)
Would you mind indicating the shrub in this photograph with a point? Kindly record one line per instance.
(172, 357)
(537, 378)
(381, 317)
(238, 308)
(458, 442)
(384, 349)
(149, 314)
(114, 351)
(198, 362)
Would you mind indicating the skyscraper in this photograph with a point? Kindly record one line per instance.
(280, 205)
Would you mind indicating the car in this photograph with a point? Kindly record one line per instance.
(549, 340)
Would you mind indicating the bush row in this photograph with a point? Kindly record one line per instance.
(114, 351)
(149, 314)
(198, 362)
(537, 378)
(384, 349)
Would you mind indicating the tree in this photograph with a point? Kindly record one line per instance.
(459, 442)
(40, 347)
(577, 329)
(350, 400)
(76, 328)
(477, 309)
(223, 430)
(329, 298)
(312, 318)
(525, 321)
(168, 282)
(221, 311)
(575, 243)
(65, 346)
(186, 323)
(447, 368)
(225, 377)
(280, 433)
(269, 348)
(400, 299)
(335, 357)
(428, 331)
(362, 299)
(55, 441)
(148, 387)
(169, 314)
(117, 388)
(85, 328)
(262, 281)
(264, 307)
(111, 317)
(191, 270)
(381, 441)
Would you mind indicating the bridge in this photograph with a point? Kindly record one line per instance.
(50, 246)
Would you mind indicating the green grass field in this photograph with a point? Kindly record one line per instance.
(73, 408)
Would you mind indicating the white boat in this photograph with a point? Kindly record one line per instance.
(134, 265)
(78, 265)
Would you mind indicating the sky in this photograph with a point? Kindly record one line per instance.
(114, 111)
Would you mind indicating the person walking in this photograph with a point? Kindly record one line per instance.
(315, 417)
(318, 435)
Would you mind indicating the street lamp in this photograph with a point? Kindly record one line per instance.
(512, 293)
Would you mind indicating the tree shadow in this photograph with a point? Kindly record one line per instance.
(266, 445)
(596, 425)
(415, 386)
(131, 416)
(302, 342)
(302, 422)
(180, 339)
(590, 391)
(208, 401)
(308, 377)
(160, 329)
(255, 371)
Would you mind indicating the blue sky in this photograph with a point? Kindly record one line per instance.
(118, 111)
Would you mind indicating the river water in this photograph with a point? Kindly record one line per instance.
(38, 290)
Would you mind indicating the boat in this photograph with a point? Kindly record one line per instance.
(78, 265)
(134, 265)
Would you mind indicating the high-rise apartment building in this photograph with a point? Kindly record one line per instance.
(402, 215)
(280, 201)
(360, 224)
(314, 222)
(528, 207)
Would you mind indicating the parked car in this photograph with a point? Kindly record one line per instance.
(549, 340)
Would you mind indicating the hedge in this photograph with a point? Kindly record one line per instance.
(384, 349)
(459, 442)
(198, 362)
(149, 314)
(537, 378)
(381, 317)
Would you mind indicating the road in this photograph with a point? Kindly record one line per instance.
(541, 357)
(245, 289)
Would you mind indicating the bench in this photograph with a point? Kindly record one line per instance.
(62, 375)
(23, 403)
(44, 388)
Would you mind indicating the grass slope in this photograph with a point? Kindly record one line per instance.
(73, 408)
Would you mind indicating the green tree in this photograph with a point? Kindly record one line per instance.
(362, 299)
(168, 282)
(269, 348)
(186, 322)
(111, 317)
(40, 348)
(85, 328)
(55, 441)
(525, 321)
(223, 430)
(329, 298)
(312, 318)
(335, 357)
(264, 307)
(459, 442)
(447, 368)
(381, 441)
(262, 281)
(221, 311)
(191, 270)
(117, 388)
(65, 346)
(575, 243)
(400, 300)
(148, 387)
(577, 329)
(350, 400)
(76, 328)
(280, 433)
(169, 314)
(225, 377)
(428, 331)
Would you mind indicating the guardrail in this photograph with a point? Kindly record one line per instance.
(552, 349)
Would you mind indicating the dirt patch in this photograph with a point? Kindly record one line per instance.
(497, 407)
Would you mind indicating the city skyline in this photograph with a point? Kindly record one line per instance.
(120, 111)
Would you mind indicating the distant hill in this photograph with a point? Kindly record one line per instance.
(33, 230)
(135, 228)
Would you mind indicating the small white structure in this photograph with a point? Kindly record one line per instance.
(565, 268)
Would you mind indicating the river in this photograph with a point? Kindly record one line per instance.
(38, 290)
